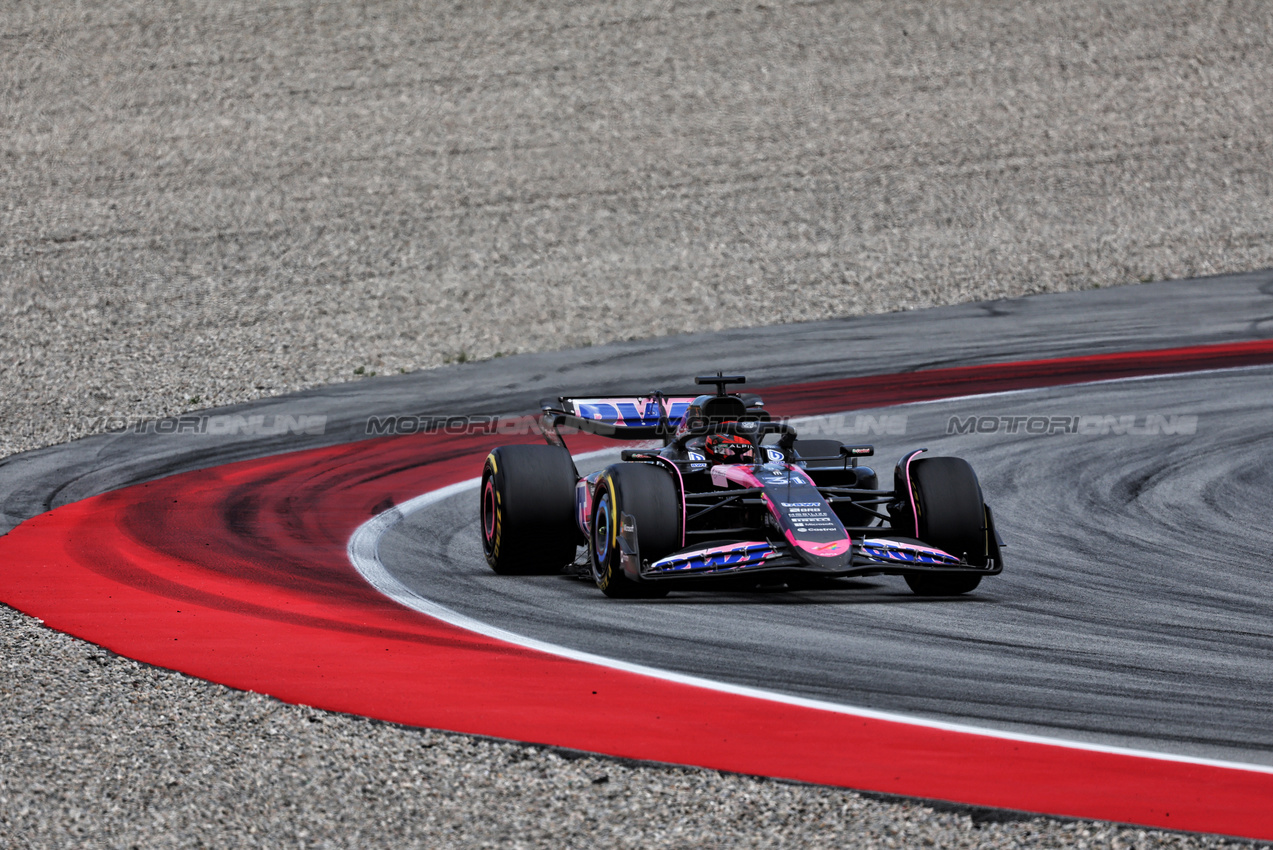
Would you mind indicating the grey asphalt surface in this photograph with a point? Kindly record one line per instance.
(205, 204)
(1133, 610)
(1157, 315)
(208, 203)
(1069, 641)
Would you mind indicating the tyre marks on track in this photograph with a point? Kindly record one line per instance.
(238, 574)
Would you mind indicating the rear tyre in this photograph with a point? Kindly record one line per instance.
(952, 518)
(649, 495)
(528, 509)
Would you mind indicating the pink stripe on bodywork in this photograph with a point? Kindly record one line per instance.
(825, 549)
(680, 483)
(897, 544)
(737, 474)
(910, 490)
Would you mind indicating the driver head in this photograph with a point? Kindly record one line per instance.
(730, 448)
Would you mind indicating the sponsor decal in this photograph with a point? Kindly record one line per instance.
(630, 411)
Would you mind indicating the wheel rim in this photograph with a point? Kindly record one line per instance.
(488, 513)
(601, 531)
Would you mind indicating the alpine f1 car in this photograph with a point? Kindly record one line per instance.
(730, 495)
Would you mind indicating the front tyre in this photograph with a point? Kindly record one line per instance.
(649, 496)
(928, 584)
(528, 509)
(951, 517)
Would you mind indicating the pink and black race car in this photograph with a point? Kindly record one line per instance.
(731, 496)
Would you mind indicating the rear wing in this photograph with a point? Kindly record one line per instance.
(649, 417)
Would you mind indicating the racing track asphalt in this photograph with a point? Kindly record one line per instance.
(1146, 316)
(1131, 608)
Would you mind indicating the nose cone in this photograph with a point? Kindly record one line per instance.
(827, 554)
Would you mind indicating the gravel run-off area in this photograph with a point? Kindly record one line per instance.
(209, 202)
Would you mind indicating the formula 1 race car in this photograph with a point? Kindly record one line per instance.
(731, 496)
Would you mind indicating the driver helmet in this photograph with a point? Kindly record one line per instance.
(730, 448)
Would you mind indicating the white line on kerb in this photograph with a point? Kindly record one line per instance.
(363, 551)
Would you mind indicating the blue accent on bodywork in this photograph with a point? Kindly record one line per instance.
(630, 412)
(744, 555)
(905, 555)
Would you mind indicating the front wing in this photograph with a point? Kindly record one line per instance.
(870, 556)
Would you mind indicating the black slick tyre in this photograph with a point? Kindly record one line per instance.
(648, 495)
(951, 517)
(528, 510)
